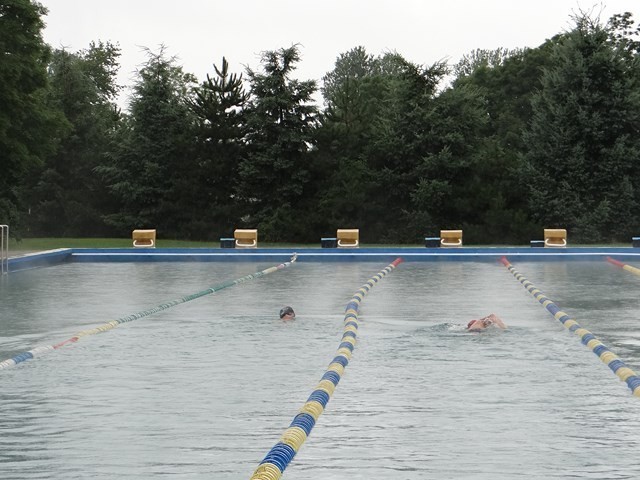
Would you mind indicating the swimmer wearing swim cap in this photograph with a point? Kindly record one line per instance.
(287, 313)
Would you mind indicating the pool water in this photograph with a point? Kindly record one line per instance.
(203, 390)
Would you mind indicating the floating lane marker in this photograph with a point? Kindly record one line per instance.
(624, 266)
(616, 365)
(279, 457)
(39, 351)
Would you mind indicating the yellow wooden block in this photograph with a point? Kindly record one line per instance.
(555, 237)
(348, 237)
(246, 238)
(451, 238)
(144, 238)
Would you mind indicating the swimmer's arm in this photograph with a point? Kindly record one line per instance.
(498, 323)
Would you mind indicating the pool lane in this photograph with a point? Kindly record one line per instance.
(609, 358)
(41, 350)
(278, 458)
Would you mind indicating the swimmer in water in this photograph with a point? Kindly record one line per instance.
(484, 323)
(287, 313)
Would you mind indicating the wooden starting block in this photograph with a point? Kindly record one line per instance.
(247, 238)
(144, 238)
(348, 238)
(451, 238)
(555, 237)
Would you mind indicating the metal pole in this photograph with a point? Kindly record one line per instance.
(4, 249)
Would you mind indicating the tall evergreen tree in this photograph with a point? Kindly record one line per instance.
(584, 137)
(403, 135)
(218, 105)
(274, 175)
(351, 105)
(151, 148)
(345, 179)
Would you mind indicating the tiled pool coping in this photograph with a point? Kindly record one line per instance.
(409, 254)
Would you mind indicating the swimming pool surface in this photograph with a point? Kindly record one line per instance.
(205, 389)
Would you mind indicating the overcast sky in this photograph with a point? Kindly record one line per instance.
(200, 32)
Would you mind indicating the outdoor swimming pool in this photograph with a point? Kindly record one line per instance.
(205, 389)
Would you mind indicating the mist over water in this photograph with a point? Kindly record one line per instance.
(206, 388)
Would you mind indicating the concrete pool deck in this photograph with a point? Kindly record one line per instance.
(31, 260)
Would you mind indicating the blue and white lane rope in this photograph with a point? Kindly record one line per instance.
(279, 457)
(614, 363)
(39, 351)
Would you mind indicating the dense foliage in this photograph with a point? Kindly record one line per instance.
(502, 144)
(29, 128)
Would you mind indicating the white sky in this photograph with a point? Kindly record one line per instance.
(200, 32)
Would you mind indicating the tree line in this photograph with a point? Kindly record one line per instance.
(502, 144)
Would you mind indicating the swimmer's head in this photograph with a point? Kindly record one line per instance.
(470, 323)
(287, 312)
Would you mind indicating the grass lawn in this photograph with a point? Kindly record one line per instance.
(39, 244)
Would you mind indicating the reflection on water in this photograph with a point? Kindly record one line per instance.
(205, 389)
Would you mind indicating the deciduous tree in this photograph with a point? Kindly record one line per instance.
(584, 143)
(65, 196)
(29, 129)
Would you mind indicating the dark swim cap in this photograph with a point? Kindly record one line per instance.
(286, 311)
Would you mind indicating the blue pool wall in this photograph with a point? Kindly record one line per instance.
(378, 254)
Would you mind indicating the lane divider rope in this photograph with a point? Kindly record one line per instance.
(614, 363)
(624, 266)
(279, 457)
(39, 351)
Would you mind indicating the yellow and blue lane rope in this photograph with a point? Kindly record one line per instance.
(39, 351)
(614, 363)
(276, 461)
(624, 266)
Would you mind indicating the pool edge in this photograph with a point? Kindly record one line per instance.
(409, 254)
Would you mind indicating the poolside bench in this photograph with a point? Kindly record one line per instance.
(246, 238)
(451, 238)
(348, 237)
(555, 237)
(144, 238)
